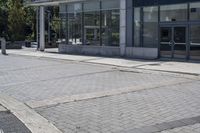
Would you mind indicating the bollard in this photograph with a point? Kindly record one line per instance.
(3, 46)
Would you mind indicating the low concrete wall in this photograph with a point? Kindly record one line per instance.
(89, 50)
(130, 52)
(143, 53)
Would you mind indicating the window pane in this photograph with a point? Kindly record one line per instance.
(75, 7)
(150, 27)
(91, 6)
(173, 12)
(75, 28)
(137, 24)
(195, 11)
(62, 8)
(92, 28)
(110, 27)
(63, 36)
(195, 42)
(110, 4)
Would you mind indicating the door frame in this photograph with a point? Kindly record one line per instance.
(172, 25)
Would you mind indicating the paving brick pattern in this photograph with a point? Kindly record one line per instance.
(83, 84)
(186, 129)
(39, 79)
(128, 111)
(10, 124)
(35, 79)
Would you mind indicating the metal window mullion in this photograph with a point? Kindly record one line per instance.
(188, 37)
(158, 32)
(133, 26)
(141, 26)
(82, 26)
(67, 27)
(100, 24)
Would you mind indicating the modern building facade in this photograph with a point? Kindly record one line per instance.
(129, 28)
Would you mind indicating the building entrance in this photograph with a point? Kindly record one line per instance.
(173, 42)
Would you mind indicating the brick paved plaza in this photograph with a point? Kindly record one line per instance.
(82, 97)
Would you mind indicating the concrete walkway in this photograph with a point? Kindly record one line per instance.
(156, 65)
(49, 92)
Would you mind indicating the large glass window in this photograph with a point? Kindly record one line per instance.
(110, 27)
(110, 22)
(137, 26)
(92, 23)
(74, 23)
(63, 35)
(173, 12)
(195, 11)
(195, 42)
(150, 26)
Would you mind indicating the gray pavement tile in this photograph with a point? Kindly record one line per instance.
(186, 129)
(177, 123)
(189, 121)
(166, 105)
(196, 119)
(10, 124)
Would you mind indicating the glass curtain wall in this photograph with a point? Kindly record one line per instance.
(110, 16)
(195, 11)
(63, 35)
(137, 26)
(195, 31)
(146, 27)
(150, 27)
(74, 23)
(92, 23)
(170, 13)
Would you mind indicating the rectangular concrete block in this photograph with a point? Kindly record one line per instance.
(143, 53)
(89, 50)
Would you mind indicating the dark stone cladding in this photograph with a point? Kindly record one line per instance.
(138, 3)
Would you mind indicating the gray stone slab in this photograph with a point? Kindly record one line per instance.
(196, 119)
(189, 121)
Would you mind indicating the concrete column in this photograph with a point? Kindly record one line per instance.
(42, 28)
(129, 23)
(122, 27)
(37, 27)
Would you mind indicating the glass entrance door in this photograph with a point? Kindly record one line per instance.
(173, 42)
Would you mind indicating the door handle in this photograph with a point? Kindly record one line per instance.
(171, 43)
